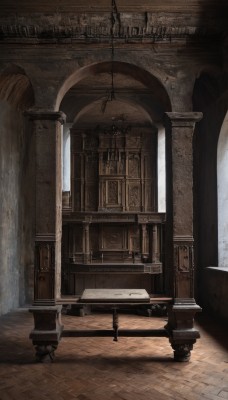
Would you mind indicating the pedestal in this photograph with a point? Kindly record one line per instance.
(47, 331)
(182, 334)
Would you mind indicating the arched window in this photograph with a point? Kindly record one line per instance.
(161, 170)
(66, 158)
(222, 182)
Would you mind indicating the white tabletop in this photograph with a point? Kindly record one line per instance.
(115, 295)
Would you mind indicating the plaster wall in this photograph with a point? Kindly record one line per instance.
(222, 183)
(15, 211)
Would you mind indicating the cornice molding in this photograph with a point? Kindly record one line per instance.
(183, 119)
(46, 116)
(95, 27)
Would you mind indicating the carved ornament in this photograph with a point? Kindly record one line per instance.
(91, 27)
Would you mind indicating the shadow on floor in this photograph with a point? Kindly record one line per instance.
(214, 327)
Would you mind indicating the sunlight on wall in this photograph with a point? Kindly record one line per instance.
(66, 158)
(222, 190)
(161, 170)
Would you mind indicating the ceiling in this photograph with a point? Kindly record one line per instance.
(87, 104)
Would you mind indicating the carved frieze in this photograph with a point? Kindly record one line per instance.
(75, 218)
(87, 27)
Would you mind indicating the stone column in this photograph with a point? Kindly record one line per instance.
(143, 242)
(48, 228)
(179, 235)
(86, 245)
(155, 244)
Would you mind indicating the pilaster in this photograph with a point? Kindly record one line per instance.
(179, 237)
(48, 228)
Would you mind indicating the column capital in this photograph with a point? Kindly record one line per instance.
(35, 115)
(183, 118)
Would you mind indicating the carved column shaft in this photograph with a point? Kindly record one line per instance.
(179, 156)
(48, 207)
(155, 243)
(144, 238)
(86, 245)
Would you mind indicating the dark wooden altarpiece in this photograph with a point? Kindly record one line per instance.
(112, 232)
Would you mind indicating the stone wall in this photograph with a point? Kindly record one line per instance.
(15, 210)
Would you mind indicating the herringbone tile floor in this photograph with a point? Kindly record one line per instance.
(101, 369)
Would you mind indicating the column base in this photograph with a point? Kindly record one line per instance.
(46, 334)
(45, 353)
(182, 352)
(180, 327)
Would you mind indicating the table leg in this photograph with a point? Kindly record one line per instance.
(115, 324)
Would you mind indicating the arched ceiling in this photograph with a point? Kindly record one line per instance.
(115, 110)
(134, 102)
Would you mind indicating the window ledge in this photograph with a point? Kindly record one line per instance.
(219, 269)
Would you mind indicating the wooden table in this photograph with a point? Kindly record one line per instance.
(116, 299)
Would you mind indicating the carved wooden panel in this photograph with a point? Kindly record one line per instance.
(122, 164)
(113, 238)
(133, 142)
(183, 257)
(112, 167)
(44, 270)
(112, 163)
(134, 196)
(112, 195)
(133, 165)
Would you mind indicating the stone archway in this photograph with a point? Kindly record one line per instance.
(141, 100)
(179, 234)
